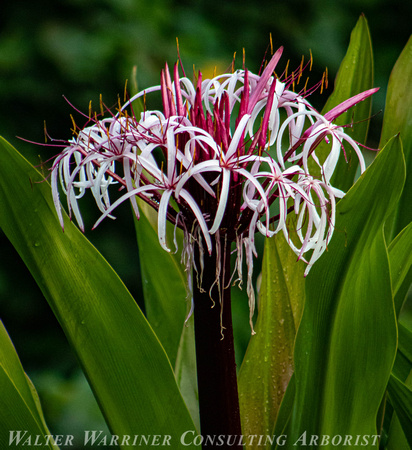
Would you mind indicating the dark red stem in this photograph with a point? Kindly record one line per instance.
(215, 355)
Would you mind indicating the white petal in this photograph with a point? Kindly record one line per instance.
(224, 193)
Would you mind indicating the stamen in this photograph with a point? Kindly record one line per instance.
(179, 58)
(300, 69)
(101, 105)
(125, 92)
(271, 43)
(90, 110)
(286, 69)
(233, 62)
(311, 60)
(74, 125)
(45, 132)
(306, 85)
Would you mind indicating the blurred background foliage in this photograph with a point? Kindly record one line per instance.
(84, 48)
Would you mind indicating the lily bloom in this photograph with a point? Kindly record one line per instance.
(225, 158)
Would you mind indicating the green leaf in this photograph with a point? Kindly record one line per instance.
(21, 417)
(396, 436)
(167, 303)
(346, 342)
(398, 119)
(405, 341)
(126, 366)
(401, 398)
(268, 363)
(400, 259)
(164, 282)
(185, 371)
(403, 362)
(355, 75)
(285, 410)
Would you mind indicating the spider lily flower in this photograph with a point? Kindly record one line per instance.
(226, 157)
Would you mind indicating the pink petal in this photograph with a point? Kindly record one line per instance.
(344, 106)
(263, 81)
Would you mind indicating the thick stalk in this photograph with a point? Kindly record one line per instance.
(215, 356)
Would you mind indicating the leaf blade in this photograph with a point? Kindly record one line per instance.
(401, 398)
(345, 339)
(122, 358)
(20, 405)
(398, 119)
(164, 282)
(269, 355)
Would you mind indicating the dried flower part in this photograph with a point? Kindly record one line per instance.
(229, 155)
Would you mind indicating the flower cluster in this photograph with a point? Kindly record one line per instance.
(227, 156)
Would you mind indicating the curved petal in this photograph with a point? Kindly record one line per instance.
(205, 166)
(224, 193)
(234, 144)
(162, 218)
(139, 190)
(199, 216)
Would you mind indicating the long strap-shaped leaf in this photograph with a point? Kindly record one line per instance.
(21, 419)
(346, 342)
(401, 398)
(398, 119)
(122, 358)
(164, 281)
(167, 304)
(268, 365)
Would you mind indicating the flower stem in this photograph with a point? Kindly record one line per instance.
(215, 355)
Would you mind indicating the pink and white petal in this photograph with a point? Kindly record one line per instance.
(358, 151)
(128, 195)
(205, 166)
(344, 106)
(255, 96)
(129, 185)
(253, 179)
(224, 193)
(329, 165)
(140, 94)
(162, 218)
(239, 132)
(199, 216)
(55, 195)
(171, 155)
